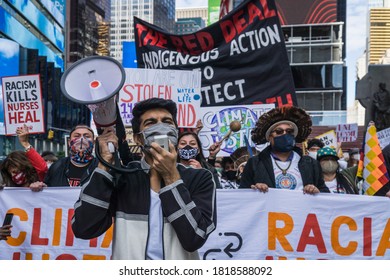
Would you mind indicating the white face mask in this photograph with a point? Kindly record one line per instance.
(329, 166)
(312, 155)
(356, 156)
(343, 164)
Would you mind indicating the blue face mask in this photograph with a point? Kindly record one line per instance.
(284, 143)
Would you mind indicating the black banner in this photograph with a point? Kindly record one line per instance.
(242, 57)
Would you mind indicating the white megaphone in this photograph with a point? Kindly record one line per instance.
(95, 81)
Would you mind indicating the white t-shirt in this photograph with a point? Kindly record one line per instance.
(293, 179)
(332, 186)
(154, 250)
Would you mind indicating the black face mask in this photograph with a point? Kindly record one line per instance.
(188, 152)
(231, 175)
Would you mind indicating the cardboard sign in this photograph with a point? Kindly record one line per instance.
(384, 137)
(329, 139)
(183, 87)
(22, 98)
(216, 124)
(347, 132)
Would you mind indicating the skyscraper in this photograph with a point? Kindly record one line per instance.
(315, 41)
(35, 31)
(88, 32)
(379, 34)
(158, 12)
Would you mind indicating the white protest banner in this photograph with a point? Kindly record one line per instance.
(283, 224)
(384, 137)
(181, 86)
(22, 98)
(250, 226)
(347, 132)
(42, 228)
(329, 139)
(216, 124)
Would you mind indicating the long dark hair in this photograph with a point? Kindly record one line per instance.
(19, 160)
(199, 157)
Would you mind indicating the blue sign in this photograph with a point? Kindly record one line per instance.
(129, 55)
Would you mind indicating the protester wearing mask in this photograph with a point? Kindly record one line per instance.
(218, 166)
(76, 168)
(160, 209)
(313, 145)
(334, 180)
(354, 157)
(18, 170)
(189, 152)
(229, 174)
(281, 164)
(23, 168)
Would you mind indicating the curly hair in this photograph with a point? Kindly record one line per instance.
(19, 160)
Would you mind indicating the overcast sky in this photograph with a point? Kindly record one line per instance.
(357, 11)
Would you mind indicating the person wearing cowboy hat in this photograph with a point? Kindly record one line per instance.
(334, 180)
(281, 164)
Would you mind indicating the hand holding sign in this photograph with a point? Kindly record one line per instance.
(23, 134)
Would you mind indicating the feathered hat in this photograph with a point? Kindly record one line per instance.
(297, 117)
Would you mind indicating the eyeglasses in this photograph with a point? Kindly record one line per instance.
(280, 131)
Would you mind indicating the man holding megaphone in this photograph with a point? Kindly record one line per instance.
(161, 209)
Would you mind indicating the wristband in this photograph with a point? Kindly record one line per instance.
(28, 148)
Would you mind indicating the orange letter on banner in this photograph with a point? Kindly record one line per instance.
(17, 241)
(107, 237)
(57, 227)
(334, 236)
(384, 244)
(94, 257)
(311, 224)
(279, 233)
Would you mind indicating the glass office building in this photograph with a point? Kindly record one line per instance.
(40, 31)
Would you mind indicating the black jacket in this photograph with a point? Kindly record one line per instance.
(57, 176)
(259, 169)
(345, 183)
(188, 207)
